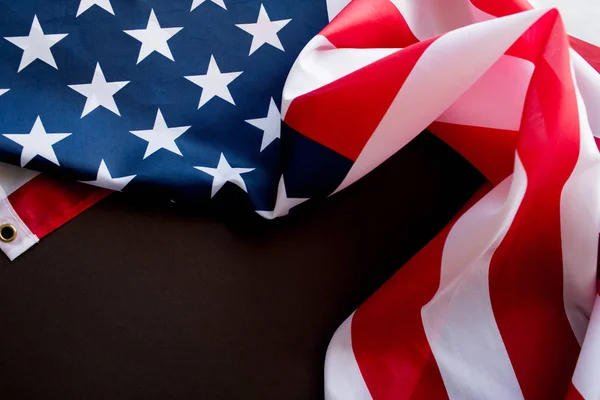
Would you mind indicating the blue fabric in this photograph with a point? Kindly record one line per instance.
(218, 127)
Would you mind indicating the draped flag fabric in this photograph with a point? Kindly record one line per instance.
(185, 99)
(169, 98)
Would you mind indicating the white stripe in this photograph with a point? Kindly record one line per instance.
(321, 63)
(588, 82)
(580, 224)
(580, 16)
(447, 68)
(335, 6)
(429, 18)
(459, 320)
(496, 100)
(12, 177)
(585, 378)
(343, 380)
(25, 238)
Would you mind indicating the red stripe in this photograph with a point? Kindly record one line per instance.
(527, 46)
(491, 151)
(388, 338)
(45, 204)
(526, 271)
(573, 394)
(345, 113)
(586, 50)
(368, 24)
(502, 8)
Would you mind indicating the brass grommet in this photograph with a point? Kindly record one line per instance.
(8, 233)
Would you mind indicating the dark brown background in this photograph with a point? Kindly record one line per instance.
(148, 302)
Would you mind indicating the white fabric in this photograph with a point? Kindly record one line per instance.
(429, 18)
(588, 83)
(580, 224)
(450, 55)
(580, 17)
(321, 63)
(490, 102)
(12, 177)
(467, 358)
(585, 378)
(344, 380)
(24, 240)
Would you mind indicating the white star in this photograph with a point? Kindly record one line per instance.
(99, 93)
(224, 173)
(196, 3)
(161, 136)
(264, 31)
(283, 205)
(105, 180)
(154, 38)
(214, 83)
(37, 143)
(3, 91)
(270, 125)
(37, 45)
(85, 5)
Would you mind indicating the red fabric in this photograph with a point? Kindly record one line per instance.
(491, 151)
(573, 394)
(586, 50)
(388, 338)
(368, 24)
(528, 302)
(501, 8)
(45, 204)
(361, 99)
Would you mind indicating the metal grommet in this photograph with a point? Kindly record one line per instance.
(8, 233)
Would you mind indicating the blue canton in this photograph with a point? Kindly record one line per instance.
(160, 96)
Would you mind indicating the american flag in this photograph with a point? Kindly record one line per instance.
(169, 98)
(186, 99)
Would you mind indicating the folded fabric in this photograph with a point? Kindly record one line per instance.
(187, 104)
